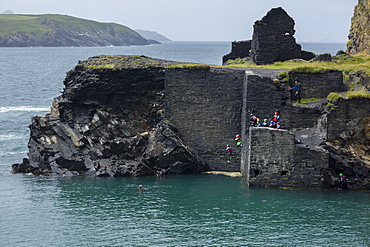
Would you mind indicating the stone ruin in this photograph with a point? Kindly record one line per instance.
(273, 40)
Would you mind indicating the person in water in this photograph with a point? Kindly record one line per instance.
(141, 188)
(159, 173)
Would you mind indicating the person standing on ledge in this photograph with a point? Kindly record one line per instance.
(297, 88)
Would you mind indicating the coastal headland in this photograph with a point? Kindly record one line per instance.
(134, 116)
(139, 116)
(52, 30)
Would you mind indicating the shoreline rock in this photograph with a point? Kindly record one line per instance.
(109, 122)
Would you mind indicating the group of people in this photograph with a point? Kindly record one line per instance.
(254, 121)
(274, 123)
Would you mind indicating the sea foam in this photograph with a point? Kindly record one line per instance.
(23, 108)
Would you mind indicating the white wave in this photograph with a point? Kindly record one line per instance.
(10, 137)
(12, 153)
(23, 108)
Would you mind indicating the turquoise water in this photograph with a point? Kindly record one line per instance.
(191, 210)
(184, 210)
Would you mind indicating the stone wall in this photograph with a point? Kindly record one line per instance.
(211, 106)
(276, 161)
(205, 105)
(319, 85)
(239, 49)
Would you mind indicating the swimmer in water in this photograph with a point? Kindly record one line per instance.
(141, 188)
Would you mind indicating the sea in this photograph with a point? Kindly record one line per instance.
(174, 210)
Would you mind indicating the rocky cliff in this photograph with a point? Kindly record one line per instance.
(133, 116)
(359, 36)
(61, 30)
(109, 122)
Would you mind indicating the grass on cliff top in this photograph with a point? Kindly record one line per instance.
(358, 94)
(359, 62)
(116, 62)
(24, 24)
(31, 25)
(189, 66)
(332, 97)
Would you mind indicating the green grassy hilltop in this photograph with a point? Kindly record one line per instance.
(63, 30)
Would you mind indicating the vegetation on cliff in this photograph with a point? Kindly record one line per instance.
(346, 63)
(117, 62)
(62, 30)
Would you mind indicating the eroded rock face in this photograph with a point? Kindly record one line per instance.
(359, 34)
(108, 121)
(348, 141)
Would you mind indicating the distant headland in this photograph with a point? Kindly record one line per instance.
(53, 30)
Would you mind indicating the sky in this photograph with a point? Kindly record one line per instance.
(202, 20)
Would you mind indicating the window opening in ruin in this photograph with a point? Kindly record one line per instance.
(256, 172)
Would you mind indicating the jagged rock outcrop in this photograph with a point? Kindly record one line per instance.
(359, 34)
(273, 40)
(61, 30)
(109, 122)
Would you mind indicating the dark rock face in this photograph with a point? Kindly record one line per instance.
(109, 122)
(348, 141)
(273, 38)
